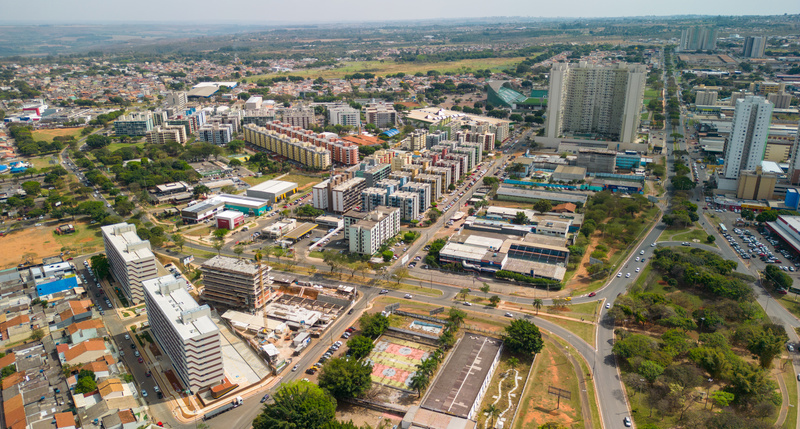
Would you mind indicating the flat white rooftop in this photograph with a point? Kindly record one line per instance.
(274, 186)
(124, 239)
(187, 317)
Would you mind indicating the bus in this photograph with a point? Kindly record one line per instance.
(722, 228)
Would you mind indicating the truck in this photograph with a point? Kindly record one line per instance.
(225, 408)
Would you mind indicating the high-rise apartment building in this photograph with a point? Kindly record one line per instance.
(217, 134)
(754, 47)
(344, 115)
(748, 138)
(236, 283)
(407, 202)
(780, 100)
(347, 195)
(381, 115)
(184, 331)
(341, 151)
(367, 235)
(705, 98)
(300, 117)
(167, 134)
(130, 258)
(794, 159)
(177, 100)
(698, 39)
(601, 101)
(134, 125)
(417, 140)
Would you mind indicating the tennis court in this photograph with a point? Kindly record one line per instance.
(394, 361)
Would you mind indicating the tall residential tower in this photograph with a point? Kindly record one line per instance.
(748, 139)
(130, 258)
(598, 101)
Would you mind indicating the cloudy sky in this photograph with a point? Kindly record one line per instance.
(294, 11)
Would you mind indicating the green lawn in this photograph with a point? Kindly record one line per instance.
(49, 134)
(685, 234)
(585, 331)
(651, 93)
(790, 380)
(117, 145)
(43, 162)
(86, 239)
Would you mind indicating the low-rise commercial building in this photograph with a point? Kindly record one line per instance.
(201, 211)
(229, 219)
(185, 332)
(130, 259)
(273, 190)
(240, 203)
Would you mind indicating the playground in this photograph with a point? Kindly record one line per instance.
(394, 361)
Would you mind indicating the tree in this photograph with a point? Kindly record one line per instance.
(373, 325)
(513, 362)
(650, 370)
(400, 274)
(100, 265)
(683, 183)
(721, 398)
(485, 289)
(464, 293)
(523, 337)
(123, 205)
(456, 317)
(494, 300)
(766, 346)
(387, 255)
(493, 412)
(85, 382)
(360, 346)
(297, 404)
(220, 234)
(218, 244)
(542, 206)
(333, 259)
(346, 378)
(97, 141)
(710, 239)
(419, 382)
(179, 241)
(200, 190)
(37, 334)
(238, 250)
(32, 188)
(521, 218)
(537, 304)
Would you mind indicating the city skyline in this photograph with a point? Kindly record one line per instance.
(265, 13)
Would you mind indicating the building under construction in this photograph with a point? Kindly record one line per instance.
(236, 283)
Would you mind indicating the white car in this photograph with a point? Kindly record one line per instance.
(637, 269)
(608, 305)
(619, 275)
(628, 275)
(642, 252)
(408, 296)
(652, 244)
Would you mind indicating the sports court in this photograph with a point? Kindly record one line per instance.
(394, 361)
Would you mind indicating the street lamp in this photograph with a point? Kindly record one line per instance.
(708, 392)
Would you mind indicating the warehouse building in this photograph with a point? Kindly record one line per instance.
(246, 205)
(229, 219)
(185, 332)
(201, 211)
(273, 190)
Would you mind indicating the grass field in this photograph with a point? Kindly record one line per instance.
(789, 379)
(583, 330)
(302, 181)
(40, 241)
(505, 381)
(650, 94)
(117, 145)
(390, 67)
(43, 162)
(48, 135)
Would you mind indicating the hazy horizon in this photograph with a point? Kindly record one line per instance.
(253, 12)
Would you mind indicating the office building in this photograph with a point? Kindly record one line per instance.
(344, 115)
(367, 235)
(299, 117)
(130, 259)
(595, 101)
(698, 39)
(756, 184)
(302, 152)
(347, 195)
(381, 115)
(748, 139)
(597, 160)
(167, 134)
(705, 98)
(218, 134)
(236, 283)
(134, 125)
(185, 332)
(754, 47)
(259, 117)
(272, 190)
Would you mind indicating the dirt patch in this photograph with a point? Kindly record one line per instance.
(48, 135)
(552, 369)
(361, 416)
(34, 243)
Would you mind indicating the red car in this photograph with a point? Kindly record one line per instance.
(593, 294)
(141, 360)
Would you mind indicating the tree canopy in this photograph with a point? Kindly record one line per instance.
(523, 337)
(298, 405)
(346, 377)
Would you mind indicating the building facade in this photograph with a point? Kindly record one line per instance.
(236, 283)
(130, 259)
(599, 101)
(754, 47)
(218, 134)
(299, 117)
(367, 235)
(185, 332)
(381, 115)
(748, 138)
(167, 134)
(303, 152)
(344, 115)
(698, 39)
(134, 125)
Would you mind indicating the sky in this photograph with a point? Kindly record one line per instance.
(333, 11)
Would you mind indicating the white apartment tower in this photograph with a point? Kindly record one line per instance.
(185, 331)
(754, 47)
(705, 98)
(698, 39)
(368, 235)
(130, 258)
(603, 101)
(344, 115)
(748, 139)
